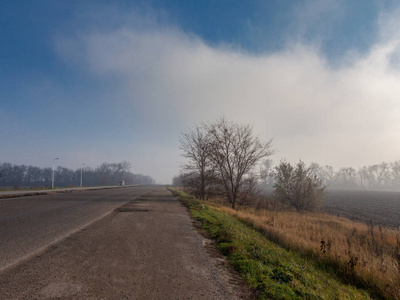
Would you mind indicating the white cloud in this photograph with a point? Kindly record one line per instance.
(342, 117)
(317, 16)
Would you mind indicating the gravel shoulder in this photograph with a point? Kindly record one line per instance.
(146, 249)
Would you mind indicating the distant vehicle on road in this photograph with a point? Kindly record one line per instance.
(122, 183)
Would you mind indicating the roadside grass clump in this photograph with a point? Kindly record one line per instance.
(365, 255)
(271, 271)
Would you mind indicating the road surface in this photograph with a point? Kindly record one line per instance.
(27, 224)
(140, 244)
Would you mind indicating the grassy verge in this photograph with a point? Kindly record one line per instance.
(34, 189)
(360, 254)
(271, 271)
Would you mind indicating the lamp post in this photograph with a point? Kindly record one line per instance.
(52, 178)
(81, 172)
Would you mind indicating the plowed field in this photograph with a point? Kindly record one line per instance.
(380, 207)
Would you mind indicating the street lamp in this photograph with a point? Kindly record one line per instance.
(81, 172)
(52, 179)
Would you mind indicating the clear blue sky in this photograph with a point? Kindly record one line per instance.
(106, 81)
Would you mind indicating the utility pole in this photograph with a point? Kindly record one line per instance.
(81, 172)
(52, 178)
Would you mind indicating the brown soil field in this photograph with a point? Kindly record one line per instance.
(378, 207)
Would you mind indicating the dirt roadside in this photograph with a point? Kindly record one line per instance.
(146, 249)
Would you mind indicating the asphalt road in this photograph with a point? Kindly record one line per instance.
(29, 224)
(140, 244)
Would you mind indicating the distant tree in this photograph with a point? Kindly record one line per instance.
(318, 171)
(383, 175)
(197, 173)
(177, 180)
(104, 172)
(6, 170)
(395, 173)
(47, 173)
(18, 172)
(122, 169)
(265, 172)
(64, 176)
(34, 176)
(298, 186)
(347, 177)
(235, 152)
(363, 177)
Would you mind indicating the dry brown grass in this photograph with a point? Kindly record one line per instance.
(366, 255)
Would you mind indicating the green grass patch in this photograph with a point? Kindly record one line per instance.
(270, 270)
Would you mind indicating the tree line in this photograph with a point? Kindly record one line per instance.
(383, 176)
(16, 176)
(378, 176)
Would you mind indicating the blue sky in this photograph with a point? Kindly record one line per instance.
(96, 81)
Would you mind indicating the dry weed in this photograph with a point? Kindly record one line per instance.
(366, 253)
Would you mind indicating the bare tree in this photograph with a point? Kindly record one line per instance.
(395, 173)
(383, 175)
(298, 186)
(197, 172)
(235, 153)
(346, 177)
(265, 172)
(177, 180)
